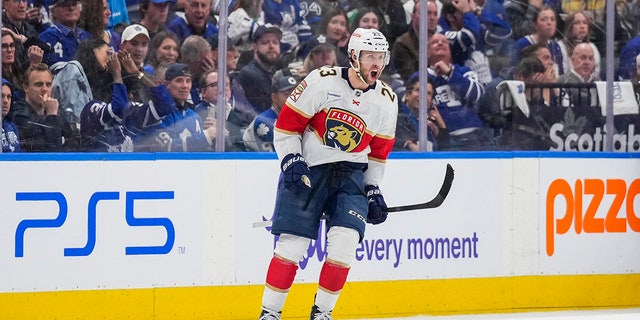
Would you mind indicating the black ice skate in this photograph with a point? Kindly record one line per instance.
(267, 314)
(316, 314)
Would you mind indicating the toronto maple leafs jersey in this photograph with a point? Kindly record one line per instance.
(10, 137)
(456, 97)
(63, 41)
(327, 120)
(259, 134)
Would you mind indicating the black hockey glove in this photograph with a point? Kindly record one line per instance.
(295, 172)
(377, 207)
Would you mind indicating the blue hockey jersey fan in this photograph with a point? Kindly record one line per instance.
(113, 127)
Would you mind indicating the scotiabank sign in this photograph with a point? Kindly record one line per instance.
(591, 206)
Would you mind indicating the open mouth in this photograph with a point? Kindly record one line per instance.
(374, 74)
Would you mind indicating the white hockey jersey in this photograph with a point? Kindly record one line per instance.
(327, 120)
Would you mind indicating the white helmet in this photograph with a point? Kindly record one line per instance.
(368, 40)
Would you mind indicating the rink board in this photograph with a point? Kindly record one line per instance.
(159, 236)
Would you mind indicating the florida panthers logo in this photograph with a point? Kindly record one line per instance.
(344, 130)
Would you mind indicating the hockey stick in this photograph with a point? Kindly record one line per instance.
(433, 203)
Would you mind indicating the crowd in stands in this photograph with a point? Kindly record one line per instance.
(88, 75)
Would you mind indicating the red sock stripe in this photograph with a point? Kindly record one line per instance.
(333, 276)
(281, 273)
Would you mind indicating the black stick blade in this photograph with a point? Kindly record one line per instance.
(435, 202)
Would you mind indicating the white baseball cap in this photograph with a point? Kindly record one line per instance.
(132, 31)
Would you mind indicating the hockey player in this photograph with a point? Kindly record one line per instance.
(332, 137)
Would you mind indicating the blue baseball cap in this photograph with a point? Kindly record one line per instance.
(264, 29)
(6, 82)
(176, 70)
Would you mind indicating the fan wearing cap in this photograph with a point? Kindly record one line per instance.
(133, 52)
(232, 53)
(333, 137)
(64, 35)
(321, 52)
(259, 134)
(182, 129)
(255, 77)
(135, 41)
(10, 136)
(154, 15)
(194, 22)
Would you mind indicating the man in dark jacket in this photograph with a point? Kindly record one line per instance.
(42, 125)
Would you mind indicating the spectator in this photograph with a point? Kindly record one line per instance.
(542, 53)
(42, 126)
(525, 128)
(182, 129)
(368, 18)
(583, 71)
(154, 15)
(14, 18)
(93, 56)
(255, 77)
(135, 45)
(259, 134)
(594, 10)
(94, 18)
(321, 53)
(101, 126)
(163, 48)
(314, 10)
(335, 26)
(521, 14)
(577, 30)
(231, 56)
(457, 91)
(119, 14)
(393, 16)
(287, 16)
(207, 110)
(433, 15)
(135, 41)
(244, 18)
(497, 38)
(407, 127)
(196, 54)
(11, 70)
(628, 55)
(405, 50)
(10, 135)
(544, 26)
(104, 124)
(195, 21)
(462, 27)
(64, 35)
(38, 14)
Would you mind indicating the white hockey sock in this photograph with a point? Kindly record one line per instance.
(273, 300)
(326, 301)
